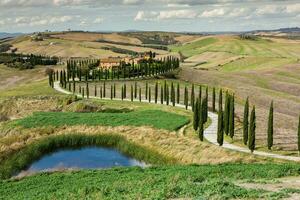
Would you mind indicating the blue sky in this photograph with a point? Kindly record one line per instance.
(160, 15)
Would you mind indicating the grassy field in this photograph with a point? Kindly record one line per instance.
(176, 182)
(153, 118)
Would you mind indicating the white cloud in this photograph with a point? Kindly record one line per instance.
(177, 14)
(165, 14)
(268, 9)
(146, 16)
(218, 12)
(98, 20)
(293, 8)
(238, 12)
(39, 20)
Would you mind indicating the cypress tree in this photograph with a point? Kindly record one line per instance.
(95, 91)
(220, 135)
(226, 113)
(201, 123)
(140, 94)
(131, 93)
(173, 95)
(87, 90)
(220, 100)
(193, 97)
(186, 98)
(156, 92)
(178, 93)
(149, 97)
(104, 89)
(83, 93)
(200, 93)
(146, 91)
(270, 127)
(161, 94)
(114, 90)
(167, 94)
(196, 116)
(125, 91)
(74, 87)
(231, 118)
(246, 122)
(111, 91)
(204, 109)
(100, 92)
(214, 100)
(252, 127)
(135, 90)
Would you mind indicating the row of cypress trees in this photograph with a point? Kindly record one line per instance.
(87, 70)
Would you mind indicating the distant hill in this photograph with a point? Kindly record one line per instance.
(7, 35)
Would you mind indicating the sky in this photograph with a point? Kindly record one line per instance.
(148, 15)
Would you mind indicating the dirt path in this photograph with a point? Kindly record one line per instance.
(210, 133)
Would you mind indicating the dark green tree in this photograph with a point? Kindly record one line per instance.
(131, 93)
(178, 93)
(87, 90)
(231, 117)
(140, 94)
(196, 116)
(149, 97)
(226, 113)
(246, 122)
(146, 91)
(111, 92)
(193, 97)
(161, 94)
(220, 135)
(156, 92)
(201, 122)
(205, 109)
(95, 91)
(220, 100)
(186, 98)
(252, 127)
(270, 127)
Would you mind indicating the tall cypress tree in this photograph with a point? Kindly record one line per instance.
(231, 117)
(252, 127)
(220, 135)
(156, 92)
(200, 93)
(135, 90)
(140, 94)
(161, 94)
(196, 116)
(270, 127)
(149, 97)
(122, 92)
(125, 91)
(201, 122)
(214, 100)
(193, 97)
(173, 95)
(204, 110)
(87, 90)
(111, 91)
(246, 122)
(178, 93)
(226, 113)
(186, 98)
(146, 91)
(114, 90)
(95, 91)
(104, 89)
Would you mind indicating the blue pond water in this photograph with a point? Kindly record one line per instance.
(84, 158)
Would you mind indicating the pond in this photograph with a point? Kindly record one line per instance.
(84, 158)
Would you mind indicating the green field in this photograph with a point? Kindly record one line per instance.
(154, 118)
(187, 182)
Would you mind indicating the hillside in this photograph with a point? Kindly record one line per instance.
(264, 69)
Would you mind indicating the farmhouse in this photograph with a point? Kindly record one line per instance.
(110, 62)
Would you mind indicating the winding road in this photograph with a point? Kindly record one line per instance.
(210, 133)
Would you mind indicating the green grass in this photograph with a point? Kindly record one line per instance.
(15, 161)
(154, 118)
(37, 88)
(194, 48)
(196, 182)
(255, 63)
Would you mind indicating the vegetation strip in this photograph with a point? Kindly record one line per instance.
(155, 118)
(17, 161)
(167, 182)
